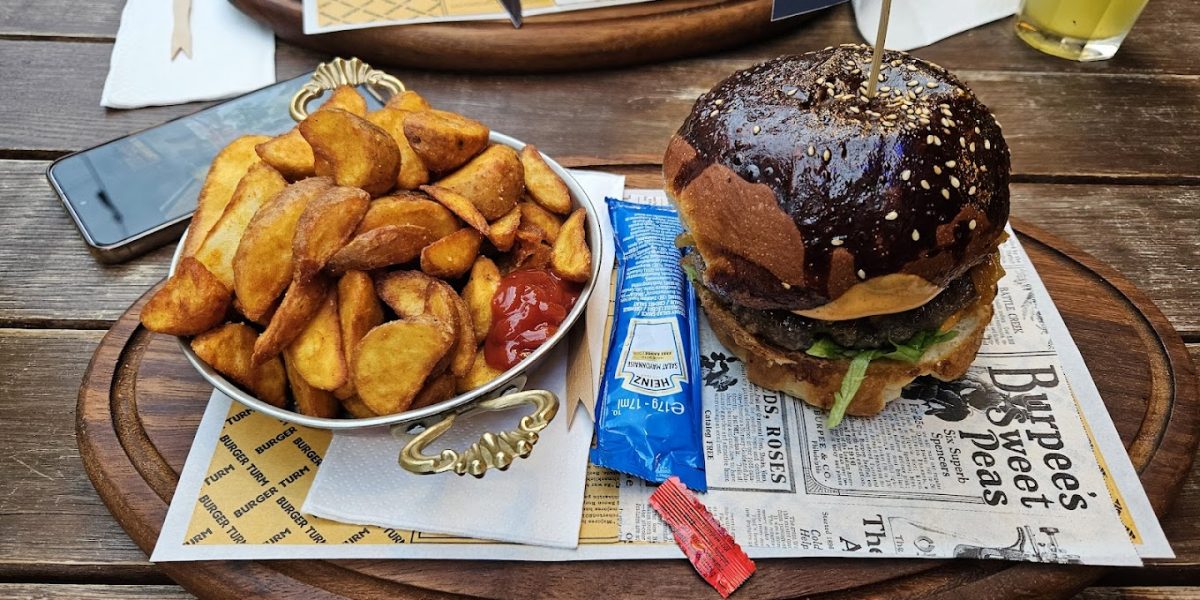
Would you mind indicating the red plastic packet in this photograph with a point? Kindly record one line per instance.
(718, 559)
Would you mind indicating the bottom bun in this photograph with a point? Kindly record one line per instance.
(816, 380)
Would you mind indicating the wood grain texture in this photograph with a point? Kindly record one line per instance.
(139, 399)
(51, 522)
(627, 116)
(1140, 593)
(1146, 234)
(44, 591)
(1153, 46)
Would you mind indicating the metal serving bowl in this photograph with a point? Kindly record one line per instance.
(506, 391)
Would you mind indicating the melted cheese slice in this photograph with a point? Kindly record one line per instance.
(883, 295)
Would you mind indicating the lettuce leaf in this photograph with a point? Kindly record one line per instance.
(909, 351)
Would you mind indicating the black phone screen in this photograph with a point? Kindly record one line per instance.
(132, 185)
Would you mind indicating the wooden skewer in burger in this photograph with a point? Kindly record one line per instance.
(845, 244)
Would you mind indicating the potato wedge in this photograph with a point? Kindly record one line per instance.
(404, 292)
(418, 344)
(503, 231)
(229, 348)
(352, 150)
(447, 306)
(359, 311)
(260, 184)
(409, 209)
(290, 153)
(546, 187)
(228, 168)
(452, 256)
(571, 258)
(381, 247)
(262, 266)
(479, 375)
(308, 399)
(408, 100)
(325, 227)
(464, 346)
(300, 302)
(534, 215)
(262, 320)
(317, 353)
(530, 252)
(444, 140)
(413, 172)
(436, 390)
(492, 181)
(459, 205)
(190, 302)
(478, 293)
(355, 407)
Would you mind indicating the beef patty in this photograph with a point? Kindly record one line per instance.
(794, 332)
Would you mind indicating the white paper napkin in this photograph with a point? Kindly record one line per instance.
(916, 23)
(538, 500)
(231, 54)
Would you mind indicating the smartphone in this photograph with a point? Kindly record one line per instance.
(138, 192)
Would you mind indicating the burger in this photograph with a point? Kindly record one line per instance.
(843, 244)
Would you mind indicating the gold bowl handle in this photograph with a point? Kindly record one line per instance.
(492, 450)
(339, 71)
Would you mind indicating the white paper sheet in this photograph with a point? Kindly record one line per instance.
(916, 23)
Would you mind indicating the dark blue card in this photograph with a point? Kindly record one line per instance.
(782, 9)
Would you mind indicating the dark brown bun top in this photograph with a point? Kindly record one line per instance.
(796, 187)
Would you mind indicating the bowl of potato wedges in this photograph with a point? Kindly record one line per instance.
(353, 272)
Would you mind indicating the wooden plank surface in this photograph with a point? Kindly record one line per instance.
(632, 126)
(1152, 47)
(44, 591)
(1140, 593)
(1145, 232)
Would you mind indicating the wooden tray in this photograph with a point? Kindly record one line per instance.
(616, 36)
(140, 403)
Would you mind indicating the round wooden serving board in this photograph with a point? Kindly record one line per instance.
(616, 36)
(140, 403)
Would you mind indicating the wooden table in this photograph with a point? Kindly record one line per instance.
(1104, 155)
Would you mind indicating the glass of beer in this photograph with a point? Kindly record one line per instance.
(1082, 30)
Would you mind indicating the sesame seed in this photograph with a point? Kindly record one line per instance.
(916, 236)
(931, 85)
(826, 155)
(881, 78)
(837, 241)
(854, 109)
(791, 91)
(937, 141)
(946, 193)
(987, 144)
(971, 192)
(905, 174)
(911, 67)
(891, 216)
(924, 121)
(862, 274)
(924, 184)
(953, 181)
(962, 141)
(929, 139)
(947, 122)
(971, 146)
(885, 88)
(951, 164)
(937, 170)
(971, 224)
(944, 106)
(976, 130)
(756, 129)
(983, 168)
(714, 113)
(811, 151)
(786, 285)
(913, 83)
(820, 81)
(719, 101)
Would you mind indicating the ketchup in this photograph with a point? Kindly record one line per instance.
(527, 309)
